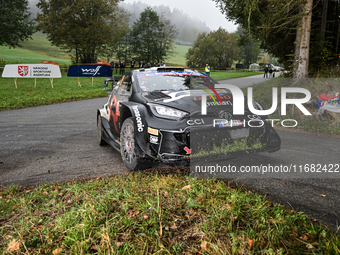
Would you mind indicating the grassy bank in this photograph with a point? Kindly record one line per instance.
(223, 75)
(326, 123)
(65, 89)
(148, 213)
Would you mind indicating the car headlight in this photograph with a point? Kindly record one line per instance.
(167, 112)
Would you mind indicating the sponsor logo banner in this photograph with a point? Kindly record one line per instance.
(32, 71)
(89, 71)
(152, 131)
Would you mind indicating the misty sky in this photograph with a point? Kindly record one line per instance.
(204, 10)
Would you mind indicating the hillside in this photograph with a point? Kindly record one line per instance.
(41, 49)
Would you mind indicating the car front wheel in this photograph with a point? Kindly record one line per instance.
(128, 147)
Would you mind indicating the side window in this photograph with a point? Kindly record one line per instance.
(125, 86)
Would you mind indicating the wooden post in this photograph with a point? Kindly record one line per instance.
(79, 82)
(92, 81)
(51, 79)
(35, 82)
(15, 82)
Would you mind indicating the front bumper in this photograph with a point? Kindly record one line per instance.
(170, 146)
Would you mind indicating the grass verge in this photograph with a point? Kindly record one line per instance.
(223, 75)
(326, 123)
(65, 89)
(147, 213)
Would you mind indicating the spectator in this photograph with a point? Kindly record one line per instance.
(141, 64)
(265, 75)
(112, 64)
(116, 66)
(207, 70)
(122, 68)
(132, 64)
(148, 65)
(270, 72)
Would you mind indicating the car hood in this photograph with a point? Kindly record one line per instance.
(191, 100)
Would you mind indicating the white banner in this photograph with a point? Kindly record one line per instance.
(31, 71)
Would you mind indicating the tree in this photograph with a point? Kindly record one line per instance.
(152, 37)
(15, 23)
(303, 41)
(250, 48)
(275, 23)
(218, 48)
(83, 27)
(303, 34)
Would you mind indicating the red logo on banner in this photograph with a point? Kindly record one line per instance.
(22, 70)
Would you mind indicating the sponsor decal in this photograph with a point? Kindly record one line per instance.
(188, 151)
(140, 126)
(23, 70)
(114, 116)
(226, 115)
(90, 71)
(218, 103)
(153, 139)
(198, 98)
(176, 96)
(152, 131)
(227, 123)
(170, 73)
(195, 122)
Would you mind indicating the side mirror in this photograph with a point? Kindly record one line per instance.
(106, 83)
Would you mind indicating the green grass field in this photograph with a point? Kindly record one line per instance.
(179, 57)
(33, 51)
(41, 45)
(21, 55)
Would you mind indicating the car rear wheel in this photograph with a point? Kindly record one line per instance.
(100, 131)
(128, 147)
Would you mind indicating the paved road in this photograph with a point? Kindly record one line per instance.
(53, 143)
(58, 143)
(246, 81)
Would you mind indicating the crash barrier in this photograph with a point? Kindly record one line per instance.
(101, 69)
(45, 69)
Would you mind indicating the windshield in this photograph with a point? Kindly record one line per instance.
(173, 81)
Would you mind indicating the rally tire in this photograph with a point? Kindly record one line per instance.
(128, 148)
(100, 139)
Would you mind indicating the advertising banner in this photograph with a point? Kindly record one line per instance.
(32, 71)
(97, 70)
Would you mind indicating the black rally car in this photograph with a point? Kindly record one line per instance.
(156, 114)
